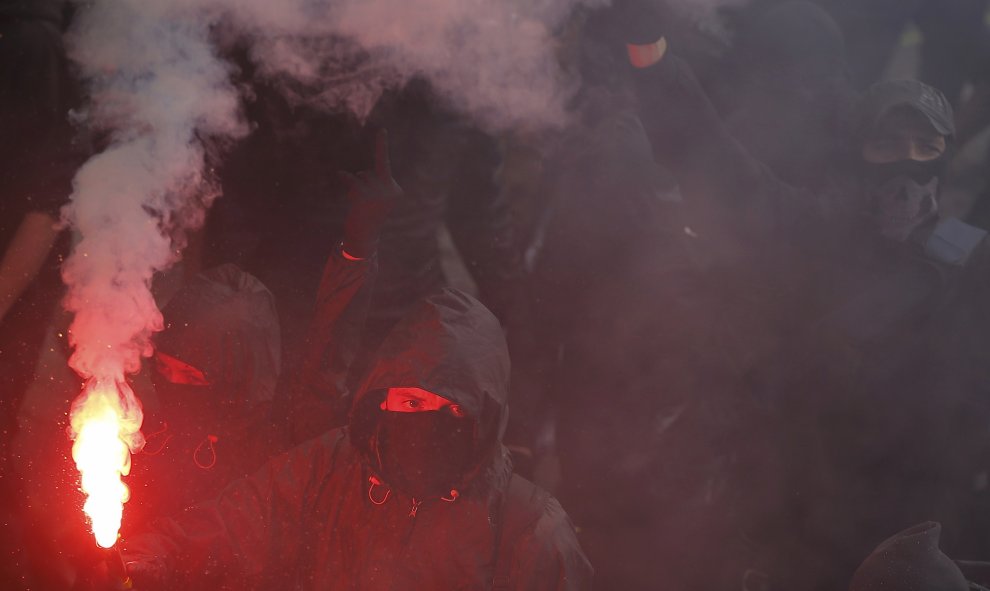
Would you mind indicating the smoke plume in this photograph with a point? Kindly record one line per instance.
(162, 99)
(155, 87)
(493, 59)
(158, 87)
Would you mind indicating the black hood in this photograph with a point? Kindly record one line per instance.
(223, 322)
(453, 346)
(798, 41)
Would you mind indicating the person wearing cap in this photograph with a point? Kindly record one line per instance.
(887, 307)
(417, 492)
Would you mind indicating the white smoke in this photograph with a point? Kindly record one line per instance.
(162, 99)
(157, 88)
(492, 58)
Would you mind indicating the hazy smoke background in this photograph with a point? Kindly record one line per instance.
(159, 89)
(705, 13)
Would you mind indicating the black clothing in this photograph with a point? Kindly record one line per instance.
(37, 162)
(223, 323)
(325, 516)
(849, 395)
(787, 96)
(445, 167)
(52, 11)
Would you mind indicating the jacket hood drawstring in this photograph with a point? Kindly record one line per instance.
(380, 499)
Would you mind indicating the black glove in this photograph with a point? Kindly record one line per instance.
(372, 196)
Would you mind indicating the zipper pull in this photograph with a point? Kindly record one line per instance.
(414, 508)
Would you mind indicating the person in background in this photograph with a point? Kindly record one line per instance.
(875, 285)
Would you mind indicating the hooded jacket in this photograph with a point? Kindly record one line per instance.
(322, 517)
(199, 438)
(882, 330)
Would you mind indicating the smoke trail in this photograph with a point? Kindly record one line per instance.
(493, 59)
(155, 87)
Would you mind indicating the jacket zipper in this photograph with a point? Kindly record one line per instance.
(414, 508)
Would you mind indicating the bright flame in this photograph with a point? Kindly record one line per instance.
(105, 424)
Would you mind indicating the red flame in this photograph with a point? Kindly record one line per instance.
(105, 424)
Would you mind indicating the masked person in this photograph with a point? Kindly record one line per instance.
(876, 288)
(215, 367)
(416, 493)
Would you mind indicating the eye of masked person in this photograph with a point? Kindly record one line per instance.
(903, 134)
(419, 400)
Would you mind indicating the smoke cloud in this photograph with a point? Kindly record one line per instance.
(156, 87)
(492, 59)
(163, 99)
(163, 96)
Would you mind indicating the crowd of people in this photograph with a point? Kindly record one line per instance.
(749, 339)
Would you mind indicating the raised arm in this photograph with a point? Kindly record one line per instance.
(319, 394)
(689, 137)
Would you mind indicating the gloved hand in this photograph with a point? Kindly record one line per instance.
(372, 194)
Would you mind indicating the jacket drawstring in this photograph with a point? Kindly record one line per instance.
(375, 482)
(210, 440)
(371, 490)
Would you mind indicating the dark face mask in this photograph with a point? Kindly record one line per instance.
(425, 454)
(903, 195)
(921, 172)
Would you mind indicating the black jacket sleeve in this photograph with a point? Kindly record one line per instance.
(318, 394)
(713, 169)
(249, 532)
(480, 223)
(549, 556)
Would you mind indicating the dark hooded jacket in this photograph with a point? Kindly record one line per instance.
(322, 516)
(881, 331)
(199, 438)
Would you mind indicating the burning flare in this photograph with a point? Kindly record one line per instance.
(105, 424)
